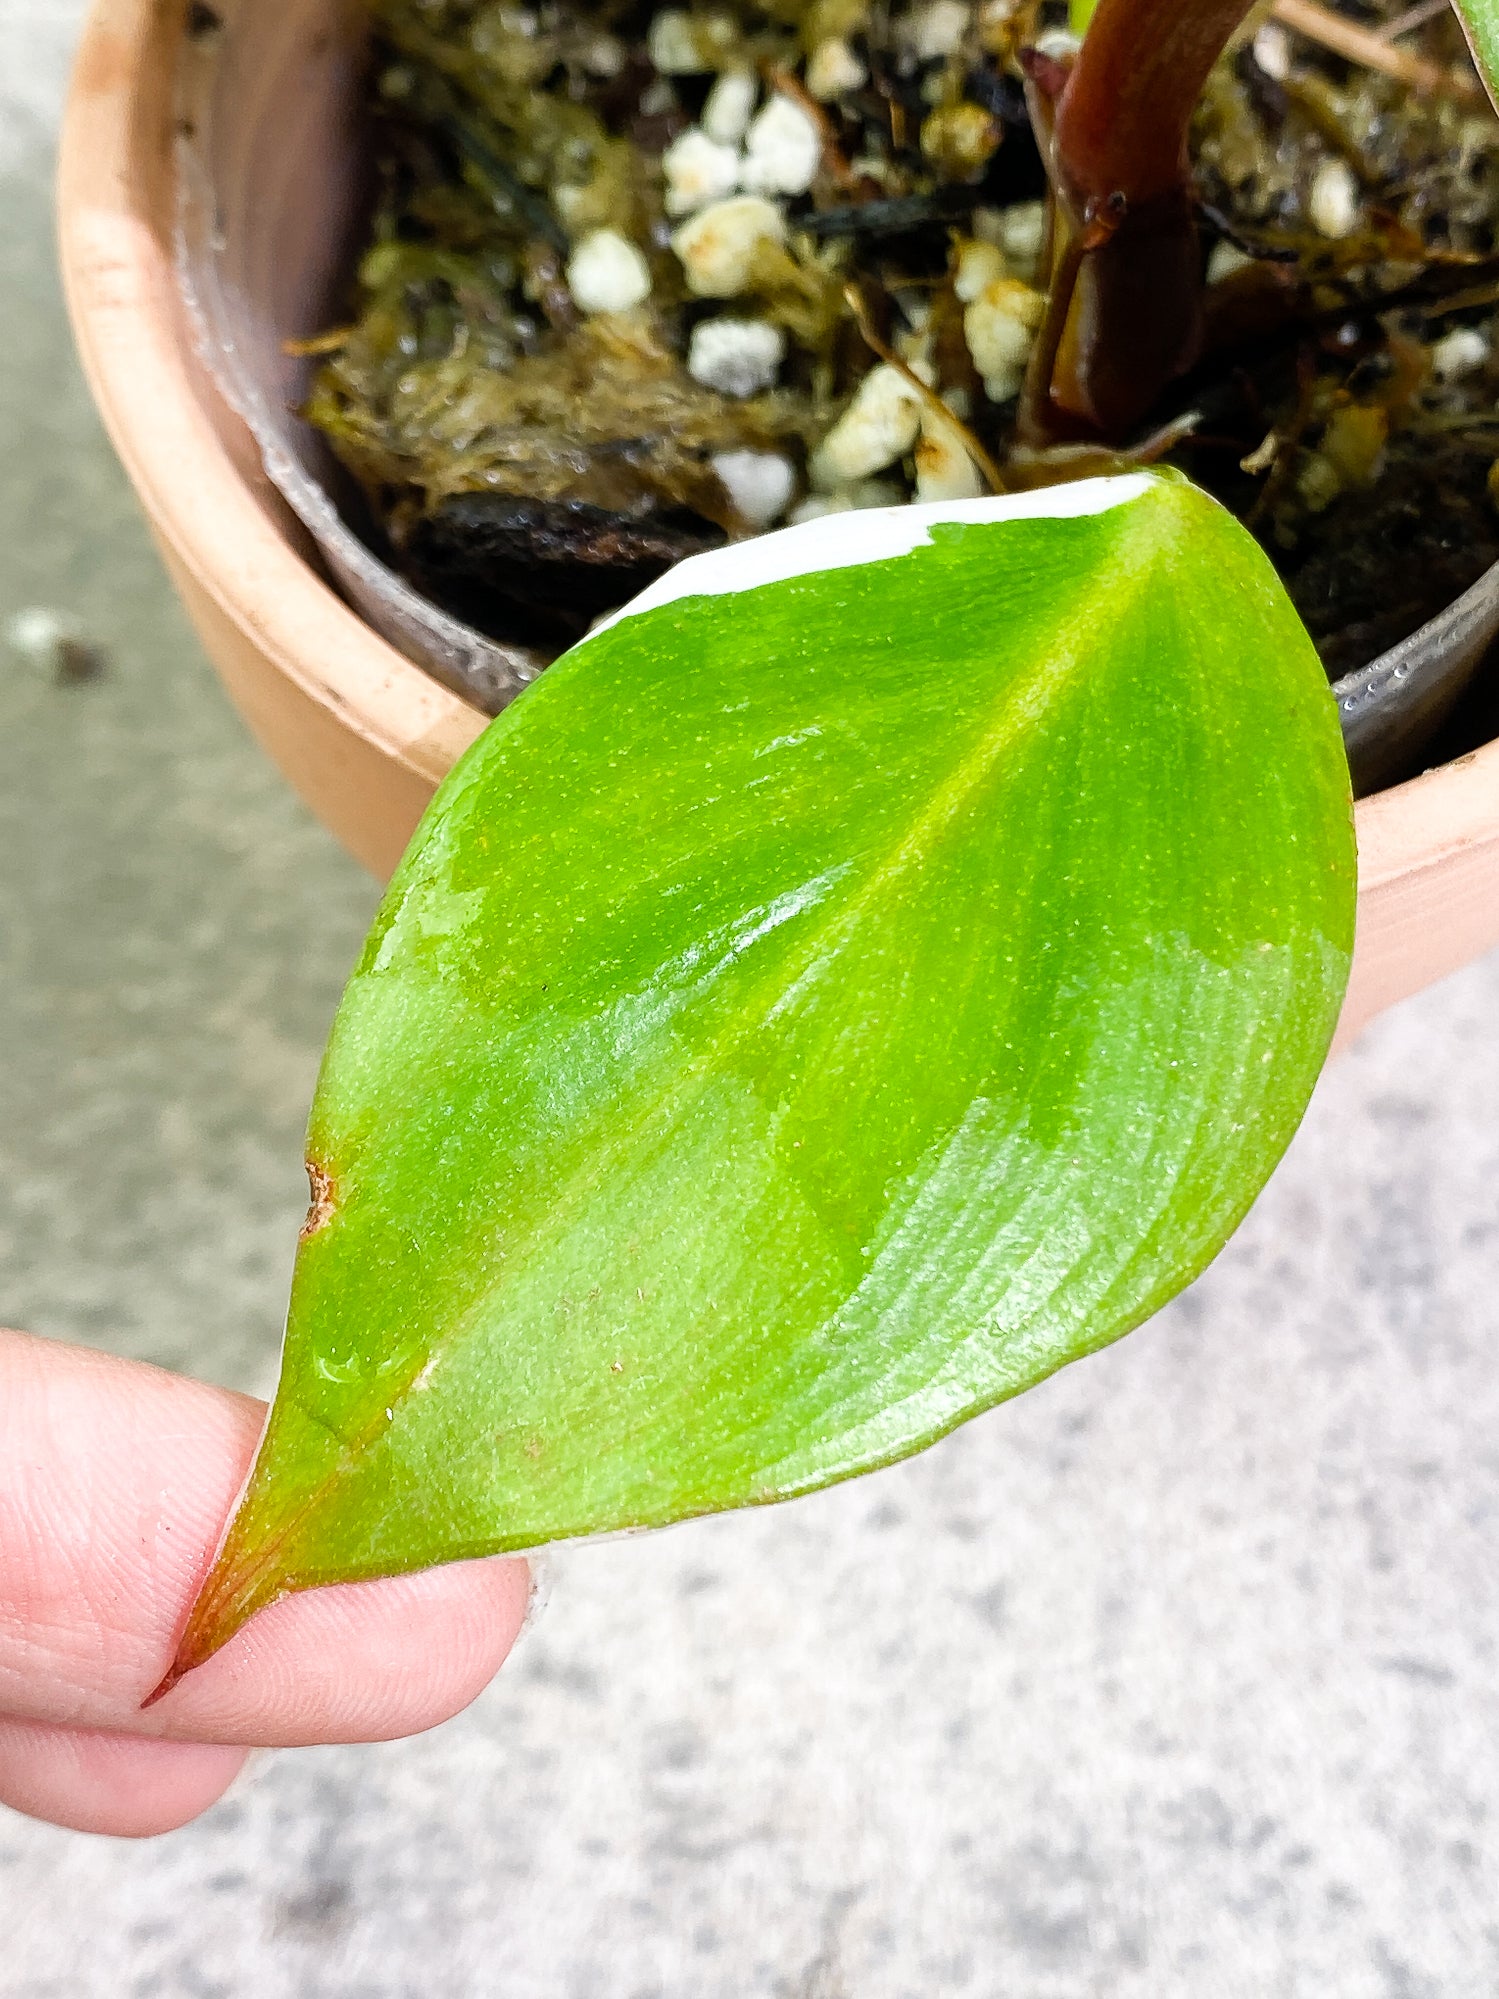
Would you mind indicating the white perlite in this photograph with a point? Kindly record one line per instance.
(937, 30)
(569, 200)
(859, 498)
(817, 507)
(738, 357)
(682, 44)
(1224, 260)
(782, 149)
(671, 44)
(718, 246)
(979, 264)
(658, 98)
(880, 425)
(1333, 202)
(726, 114)
(1018, 232)
(1461, 352)
(944, 470)
(1272, 51)
(604, 55)
(606, 273)
(1058, 43)
(698, 170)
(1000, 327)
(833, 68)
(760, 483)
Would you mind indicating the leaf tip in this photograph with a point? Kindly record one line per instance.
(198, 1643)
(229, 1598)
(169, 1680)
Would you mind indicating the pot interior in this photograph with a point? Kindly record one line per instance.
(271, 159)
(270, 164)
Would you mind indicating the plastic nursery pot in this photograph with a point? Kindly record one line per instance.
(362, 733)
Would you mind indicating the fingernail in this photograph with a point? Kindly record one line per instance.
(540, 1567)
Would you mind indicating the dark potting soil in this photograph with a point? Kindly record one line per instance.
(535, 459)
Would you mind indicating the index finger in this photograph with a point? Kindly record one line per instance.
(116, 1481)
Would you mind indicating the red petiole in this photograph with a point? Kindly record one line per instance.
(1125, 312)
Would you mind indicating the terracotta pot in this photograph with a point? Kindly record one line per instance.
(362, 733)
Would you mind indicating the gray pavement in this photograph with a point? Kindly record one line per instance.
(1175, 1680)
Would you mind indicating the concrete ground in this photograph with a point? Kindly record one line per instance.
(1175, 1680)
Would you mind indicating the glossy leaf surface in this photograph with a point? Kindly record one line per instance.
(818, 1009)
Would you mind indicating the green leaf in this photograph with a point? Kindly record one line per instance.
(877, 969)
(1480, 23)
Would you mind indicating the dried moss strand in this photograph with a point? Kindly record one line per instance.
(1357, 44)
(1413, 18)
(929, 397)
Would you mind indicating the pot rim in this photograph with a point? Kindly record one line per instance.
(213, 510)
(219, 519)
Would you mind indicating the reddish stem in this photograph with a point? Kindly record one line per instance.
(1125, 314)
(1126, 110)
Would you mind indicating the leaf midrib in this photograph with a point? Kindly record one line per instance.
(1023, 708)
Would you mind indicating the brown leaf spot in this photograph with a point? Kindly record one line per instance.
(320, 1207)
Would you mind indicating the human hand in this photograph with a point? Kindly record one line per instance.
(115, 1483)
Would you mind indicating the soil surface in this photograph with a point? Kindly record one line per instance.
(571, 358)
